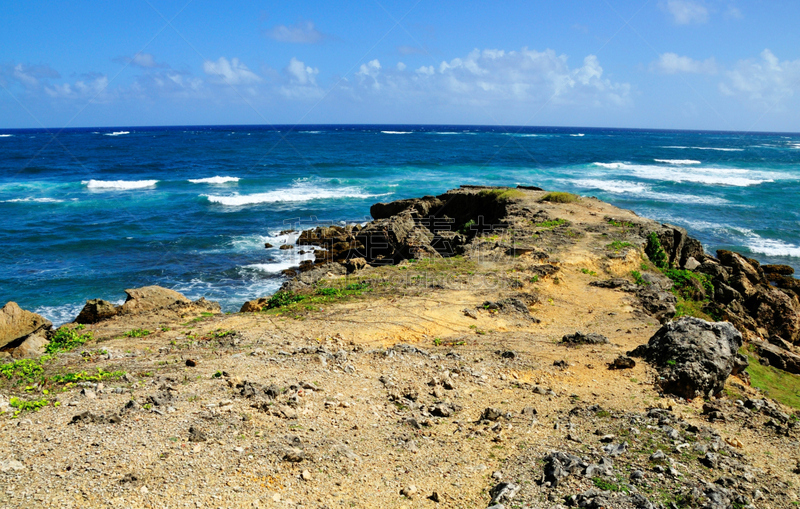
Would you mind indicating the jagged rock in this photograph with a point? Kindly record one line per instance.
(776, 312)
(17, 325)
(613, 283)
(693, 357)
(778, 357)
(32, 346)
(659, 303)
(150, 298)
(691, 263)
(622, 362)
(579, 338)
(255, 305)
(96, 310)
(504, 492)
(783, 270)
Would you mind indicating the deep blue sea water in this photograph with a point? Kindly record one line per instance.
(89, 212)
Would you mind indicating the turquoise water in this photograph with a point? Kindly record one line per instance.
(89, 212)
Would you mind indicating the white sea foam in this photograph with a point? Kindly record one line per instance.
(737, 177)
(396, 132)
(721, 149)
(445, 132)
(110, 185)
(214, 180)
(612, 186)
(60, 315)
(678, 161)
(33, 200)
(644, 191)
(117, 133)
(770, 247)
(299, 192)
(6, 135)
(577, 135)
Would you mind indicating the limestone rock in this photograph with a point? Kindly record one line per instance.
(17, 324)
(692, 356)
(150, 298)
(778, 357)
(96, 310)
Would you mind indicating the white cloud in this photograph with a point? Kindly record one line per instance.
(672, 63)
(686, 12)
(300, 73)
(401, 66)
(92, 87)
(763, 81)
(231, 73)
(29, 76)
(143, 60)
(301, 33)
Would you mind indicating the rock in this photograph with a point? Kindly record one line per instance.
(783, 270)
(659, 303)
(691, 263)
(409, 491)
(267, 245)
(692, 356)
(504, 492)
(284, 247)
(11, 465)
(96, 310)
(579, 338)
(196, 435)
(491, 414)
(16, 325)
(613, 283)
(150, 298)
(622, 362)
(435, 497)
(305, 475)
(32, 346)
(778, 357)
(615, 449)
(558, 465)
(774, 310)
(293, 455)
(356, 264)
(255, 305)
(191, 363)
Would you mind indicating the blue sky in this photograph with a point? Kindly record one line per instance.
(683, 64)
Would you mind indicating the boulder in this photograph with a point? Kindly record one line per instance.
(778, 357)
(783, 270)
(579, 338)
(776, 312)
(17, 324)
(255, 305)
(659, 303)
(693, 357)
(32, 346)
(150, 298)
(96, 310)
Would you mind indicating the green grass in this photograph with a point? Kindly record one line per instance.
(637, 278)
(23, 406)
(66, 339)
(137, 333)
(655, 252)
(551, 223)
(588, 272)
(618, 245)
(778, 385)
(502, 195)
(606, 485)
(84, 376)
(559, 197)
(620, 224)
(27, 370)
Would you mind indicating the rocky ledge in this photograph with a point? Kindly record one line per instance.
(489, 347)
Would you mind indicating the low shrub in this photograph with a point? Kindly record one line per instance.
(559, 197)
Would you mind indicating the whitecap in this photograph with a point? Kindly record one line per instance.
(6, 135)
(612, 186)
(736, 177)
(611, 166)
(644, 191)
(721, 149)
(298, 193)
(34, 200)
(396, 132)
(60, 315)
(578, 135)
(771, 247)
(117, 133)
(678, 161)
(118, 184)
(214, 180)
(445, 132)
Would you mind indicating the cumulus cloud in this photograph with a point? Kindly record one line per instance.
(143, 60)
(92, 86)
(411, 50)
(230, 72)
(764, 81)
(29, 76)
(300, 73)
(301, 33)
(686, 12)
(672, 63)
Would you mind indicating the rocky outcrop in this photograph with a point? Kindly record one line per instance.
(148, 299)
(22, 333)
(693, 357)
(777, 357)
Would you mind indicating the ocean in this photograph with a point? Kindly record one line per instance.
(90, 212)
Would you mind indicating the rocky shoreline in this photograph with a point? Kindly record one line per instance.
(503, 347)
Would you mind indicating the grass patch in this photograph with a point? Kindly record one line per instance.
(618, 245)
(588, 272)
(606, 485)
(137, 333)
(66, 339)
(84, 376)
(551, 223)
(637, 278)
(27, 370)
(620, 224)
(502, 195)
(778, 385)
(559, 197)
(23, 406)
(655, 252)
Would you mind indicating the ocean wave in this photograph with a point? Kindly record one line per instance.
(214, 180)
(6, 135)
(444, 132)
(770, 247)
(298, 193)
(118, 184)
(117, 133)
(396, 132)
(678, 161)
(32, 200)
(60, 315)
(309, 132)
(736, 177)
(579, 135)
(644, 191)
(721, 149)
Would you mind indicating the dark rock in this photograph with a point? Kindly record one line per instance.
(659, 303)
(717, 272)
(613, 283)
(775, 311)
(783, 270)
(491, 414)
(725, 294)
(503, 492)
(558, 465)
(191, 363)
(284, 247)
(579, 338)
(693, 357)
(96, 310)
(622, 362)
(267, 245)
(778, 357)
(196, 435)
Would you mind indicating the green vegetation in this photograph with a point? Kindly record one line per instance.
(606, 485)
(690, 285)
(589, 272)
(66, 339)
(467, 226)
(282, 299)
(637, 278)
(779, 385)
(27, 370)
(551, 223)
(22, 405)
(503, 195)
(618, 245)
(620, 224)
(559, 197)
(137, 333)
(84, 376)
(655, 252)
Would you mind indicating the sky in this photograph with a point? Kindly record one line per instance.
(665, 64)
